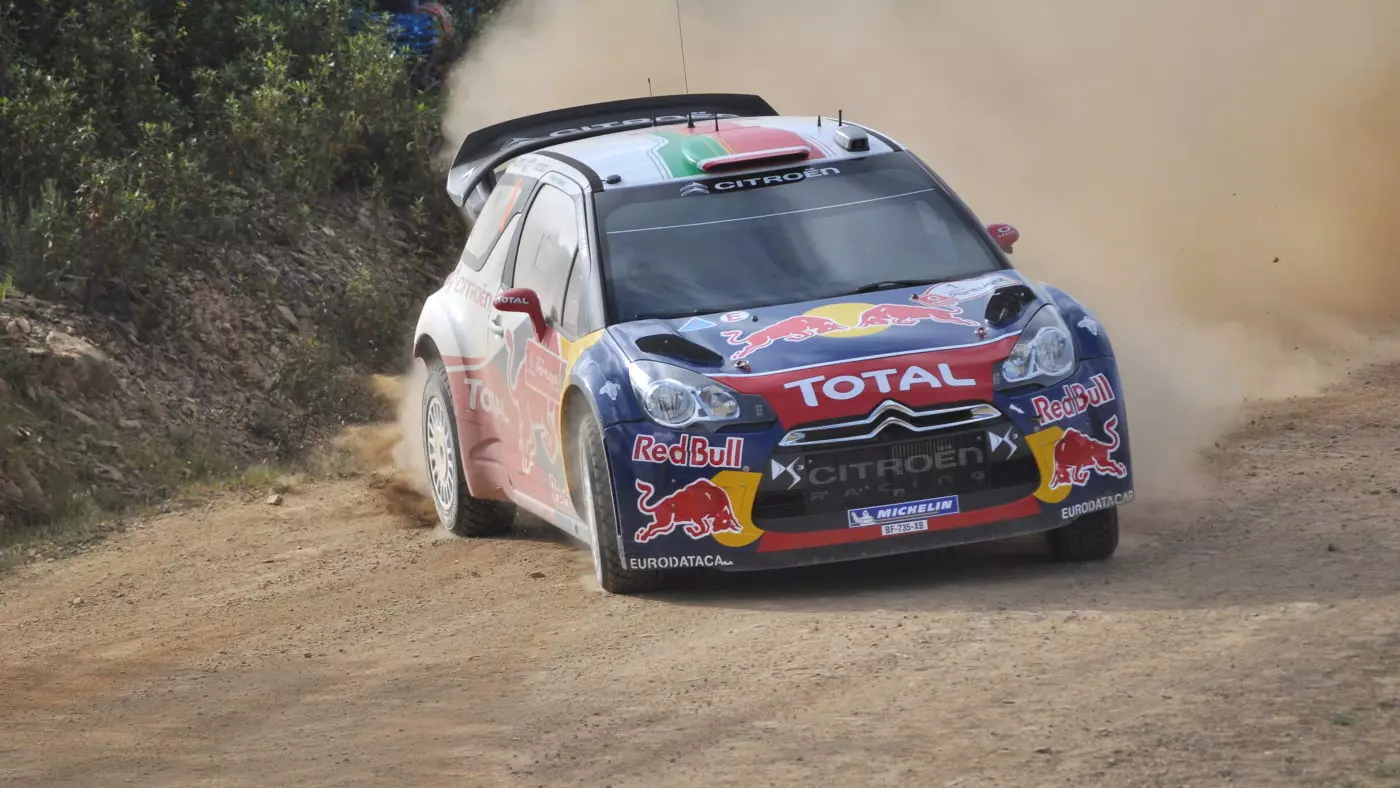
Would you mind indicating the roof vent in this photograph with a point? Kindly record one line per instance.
(751, 158)
(852, 138)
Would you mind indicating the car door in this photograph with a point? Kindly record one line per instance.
(545, 253)
(484, 418)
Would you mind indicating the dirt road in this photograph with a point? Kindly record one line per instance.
(1248, 637)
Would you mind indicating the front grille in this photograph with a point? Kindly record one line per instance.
(890, 415)
(898, 465)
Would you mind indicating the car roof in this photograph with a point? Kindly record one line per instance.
(660, 154)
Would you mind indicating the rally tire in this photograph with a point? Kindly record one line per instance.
(1093, 537)
(595, 504)
(457, 510)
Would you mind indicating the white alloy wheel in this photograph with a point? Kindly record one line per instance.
(441, 455)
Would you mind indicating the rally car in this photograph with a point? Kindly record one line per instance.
(692, 332)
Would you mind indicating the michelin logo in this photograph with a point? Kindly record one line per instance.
(914, 510)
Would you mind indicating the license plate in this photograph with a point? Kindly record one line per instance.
(891, 529)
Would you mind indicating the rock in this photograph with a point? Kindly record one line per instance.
(108, 472)
(74, 365)
(537, 575)
(9, 491)
(32, 495)
(112, 446)
(77, 600)
(129, 424)
(17, 327)
(289, 316)
(80, 417)
(274, 500)
(253, 370)
(1390, 765)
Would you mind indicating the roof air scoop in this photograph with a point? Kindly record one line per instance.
(736, 161)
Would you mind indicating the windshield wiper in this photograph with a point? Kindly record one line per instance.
(672, 315)
(891, 284)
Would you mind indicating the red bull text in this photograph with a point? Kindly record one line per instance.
(693, 451)
(1077, 400)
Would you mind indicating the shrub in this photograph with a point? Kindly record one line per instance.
(144, 126)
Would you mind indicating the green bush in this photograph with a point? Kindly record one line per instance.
(135, 128)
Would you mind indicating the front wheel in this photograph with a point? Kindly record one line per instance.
(1093, 537)
(594, 501)
(457, 510)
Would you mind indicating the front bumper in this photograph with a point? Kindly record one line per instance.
(740, 500)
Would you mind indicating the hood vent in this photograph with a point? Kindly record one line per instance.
(1007, 303)
(679, 348)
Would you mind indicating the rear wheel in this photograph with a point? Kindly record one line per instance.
(594, 500)
(457, 510)
(1093, 537)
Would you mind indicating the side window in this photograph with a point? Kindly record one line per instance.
(548, 245)
(502, 248)
(492, 220)
(575, 321)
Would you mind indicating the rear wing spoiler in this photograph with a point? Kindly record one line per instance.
(473, 171)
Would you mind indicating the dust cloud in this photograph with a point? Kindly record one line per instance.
(1216, 180)
(391, 452)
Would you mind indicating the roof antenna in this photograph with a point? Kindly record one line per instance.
(819, 120)
(716, 114)
(681, 34)
(653, 109)
(689, 121)
(840, 117)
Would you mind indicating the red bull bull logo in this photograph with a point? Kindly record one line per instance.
(911, 314)
(790, 329)
(940, 303)
(701, 508)
(1077, 455)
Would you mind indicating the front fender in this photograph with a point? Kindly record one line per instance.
(601, 372)
(1089, 333)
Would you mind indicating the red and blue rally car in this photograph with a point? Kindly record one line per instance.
(693, 333)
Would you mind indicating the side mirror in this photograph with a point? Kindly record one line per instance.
(1005, 235)
(523, 300)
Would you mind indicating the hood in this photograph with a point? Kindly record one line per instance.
(902, 320)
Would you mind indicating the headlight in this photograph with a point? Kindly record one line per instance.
(1044, 354)
(675, 397)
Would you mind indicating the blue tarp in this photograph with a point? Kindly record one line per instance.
(416, 33)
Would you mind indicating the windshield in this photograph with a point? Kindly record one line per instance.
(793, 235)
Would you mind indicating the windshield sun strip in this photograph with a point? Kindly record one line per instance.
(771, 215)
